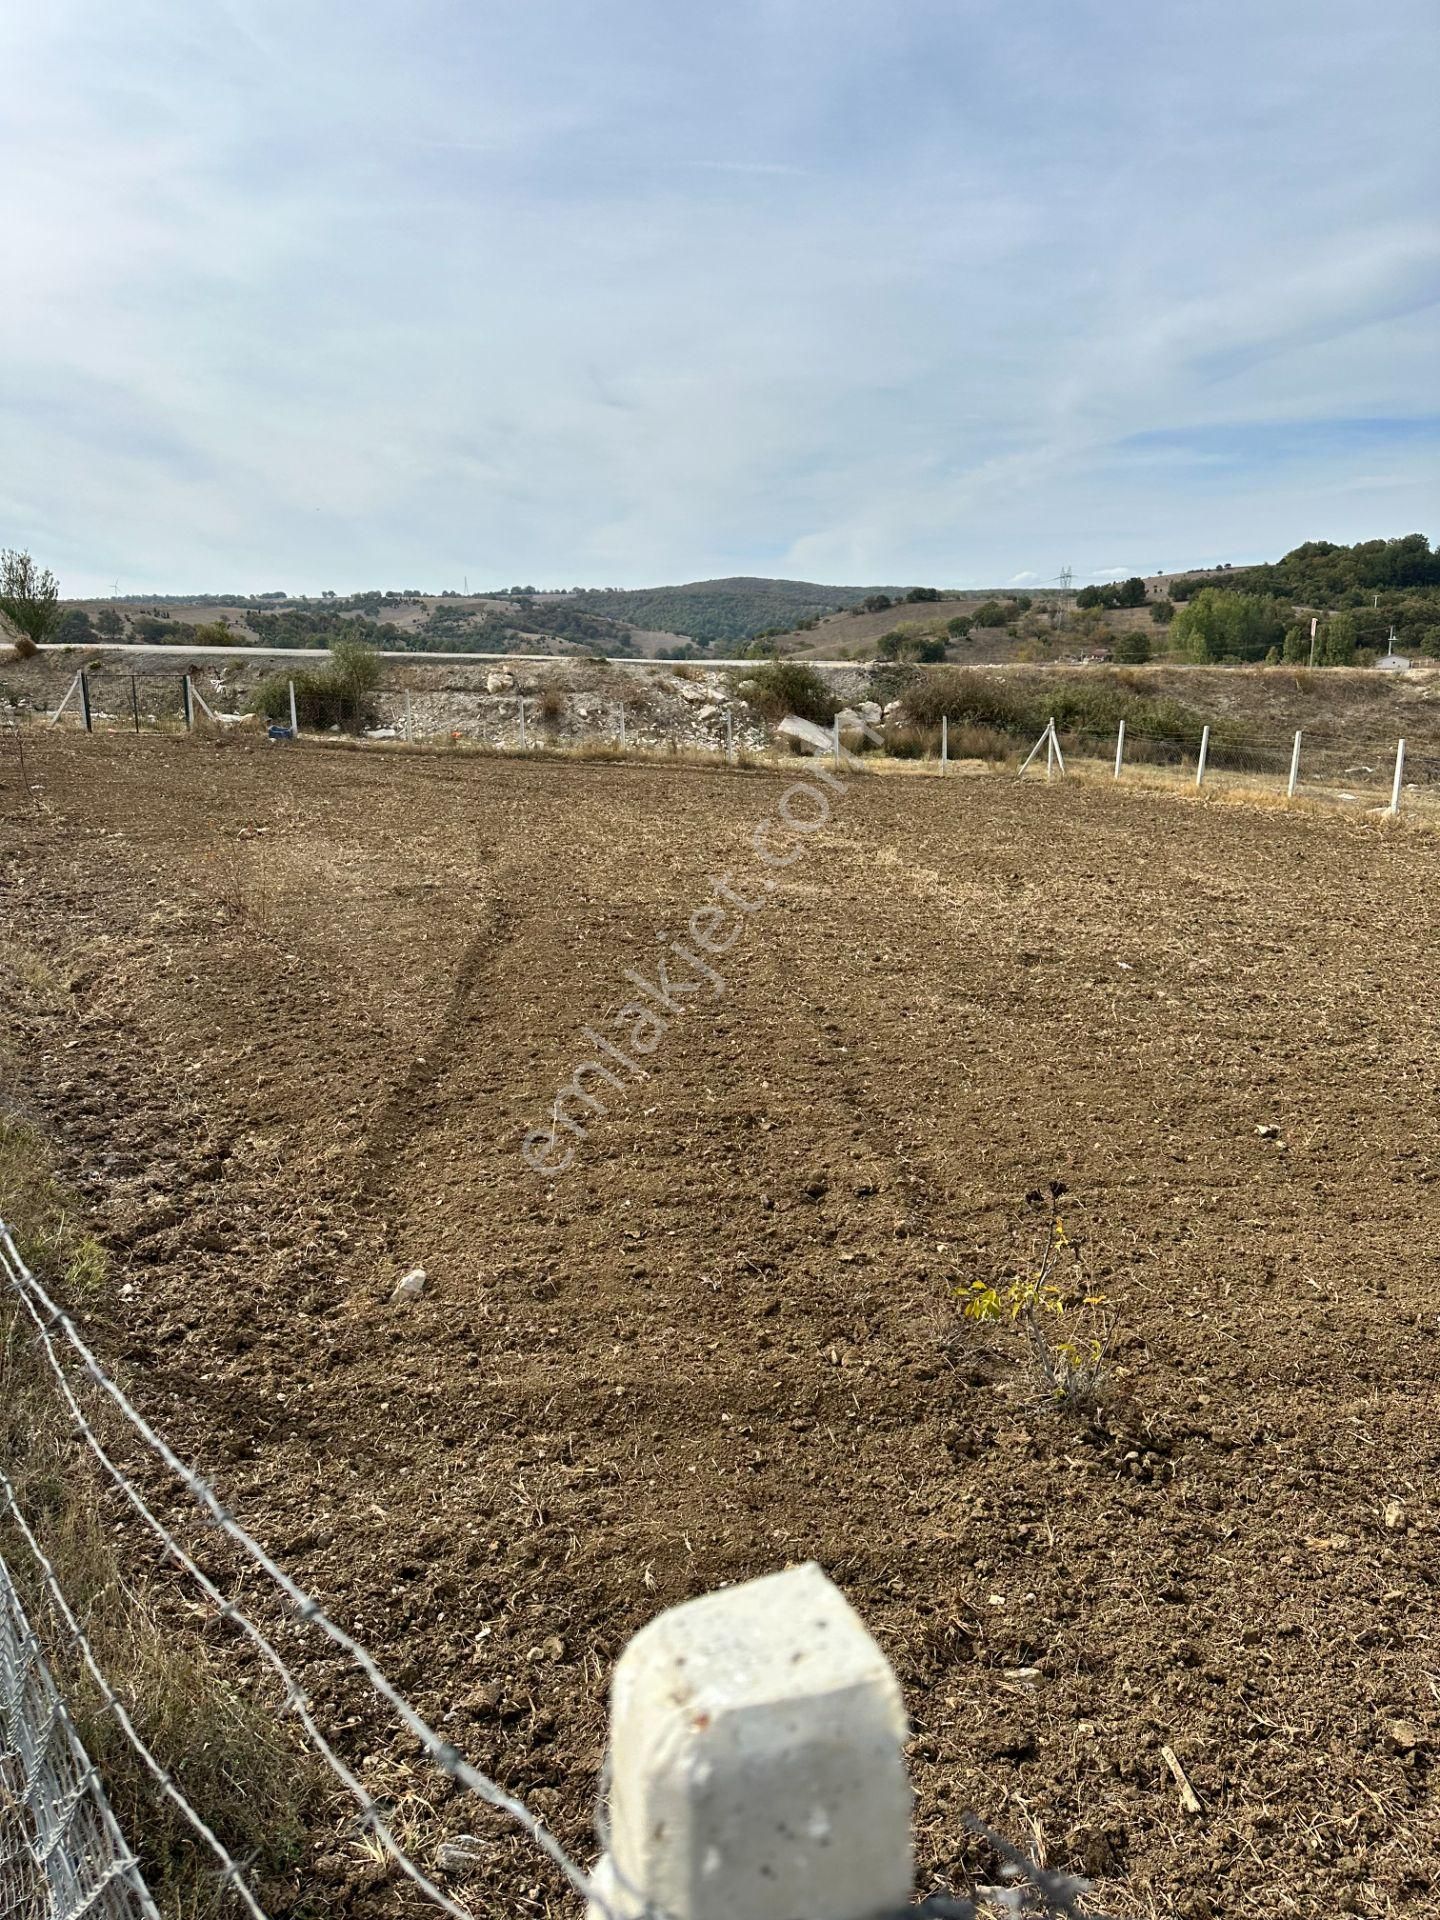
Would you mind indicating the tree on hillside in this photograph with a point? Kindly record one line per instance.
(109, 624)
(1227, 626)
(1132, 649)
(29, 598)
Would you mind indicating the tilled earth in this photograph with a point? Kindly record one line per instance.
(312, 1001)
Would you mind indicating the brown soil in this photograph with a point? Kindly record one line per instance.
(316, 999)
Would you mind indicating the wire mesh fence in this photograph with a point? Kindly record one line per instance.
(62, 1854)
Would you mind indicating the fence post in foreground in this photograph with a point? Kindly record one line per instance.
(730, 735)
(1294, 767)
(1119, 749)
(65, 701)
(135, 703)
(1050, 748)
(835, 740)
(758, 1770)
(1204, 756)
(944, 741)
(622, 725)
(522, 723)
(85, 713)
(294, 717)
(1399, 776)
(187, 696)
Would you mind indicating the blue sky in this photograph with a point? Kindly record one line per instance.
(309, 295)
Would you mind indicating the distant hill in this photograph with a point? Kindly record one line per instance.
(720, 610)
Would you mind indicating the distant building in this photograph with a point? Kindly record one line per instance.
(1393, 663)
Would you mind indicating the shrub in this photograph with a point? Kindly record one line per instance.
(778, 688)
(340, 694)
(1132, 649)
(29, 596)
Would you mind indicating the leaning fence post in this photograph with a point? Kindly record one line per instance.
(187, 697)
(1399, 776)
(758, 1766)
(1119, 749)
(944, 741)
(1204, 756)
(85, 713)
(1294, 767)
(294, 717)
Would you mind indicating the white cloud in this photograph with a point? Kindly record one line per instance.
(346, 296)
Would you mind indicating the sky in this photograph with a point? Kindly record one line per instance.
(301, 295)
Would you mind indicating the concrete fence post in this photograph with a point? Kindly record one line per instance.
(1050, 748)
(1204, 756)
(1399, 776)
(1294, 767)
(522, 725)
(757, 1763)
(622, 726)
(294, 716)
(85, 713)
(730, 735)
(835, 740)
(187, 698)
(1119, 749)
(944, 741)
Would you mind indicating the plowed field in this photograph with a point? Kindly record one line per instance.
(316, 1001)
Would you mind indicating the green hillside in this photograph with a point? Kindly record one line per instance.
(719, 610)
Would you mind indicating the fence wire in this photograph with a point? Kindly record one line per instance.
(56, 1333)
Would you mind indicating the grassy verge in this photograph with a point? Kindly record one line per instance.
(228, 1753)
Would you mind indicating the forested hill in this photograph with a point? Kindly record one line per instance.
(1321, 574)
(723, 610)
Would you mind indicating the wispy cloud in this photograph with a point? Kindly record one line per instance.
(639, 292)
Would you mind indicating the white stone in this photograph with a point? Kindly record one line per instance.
(759, 1770)
(871, 711)
(411, 1285)
(821, 739)
(499, 681)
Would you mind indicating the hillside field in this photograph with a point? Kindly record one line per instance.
(288, 1017)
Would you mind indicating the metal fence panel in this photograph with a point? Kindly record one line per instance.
(62, 1855)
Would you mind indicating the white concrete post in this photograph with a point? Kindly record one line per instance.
(1050, 748)
(409, 716)
(1119, 749)
(74, 684)
(730, 735)
(1204, 756)
(1055, 748)
(1399, 777)
(522, 724)
(758, 1768)
(944, 741)
(1294, 767)
(835, 746)
(622, 723)
(294, 715)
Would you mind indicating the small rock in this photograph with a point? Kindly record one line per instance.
(1394, 1516)
(1404, 1736)
(411, 1285)
(464, 1853)
(499, 681)
(1268, 1133)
